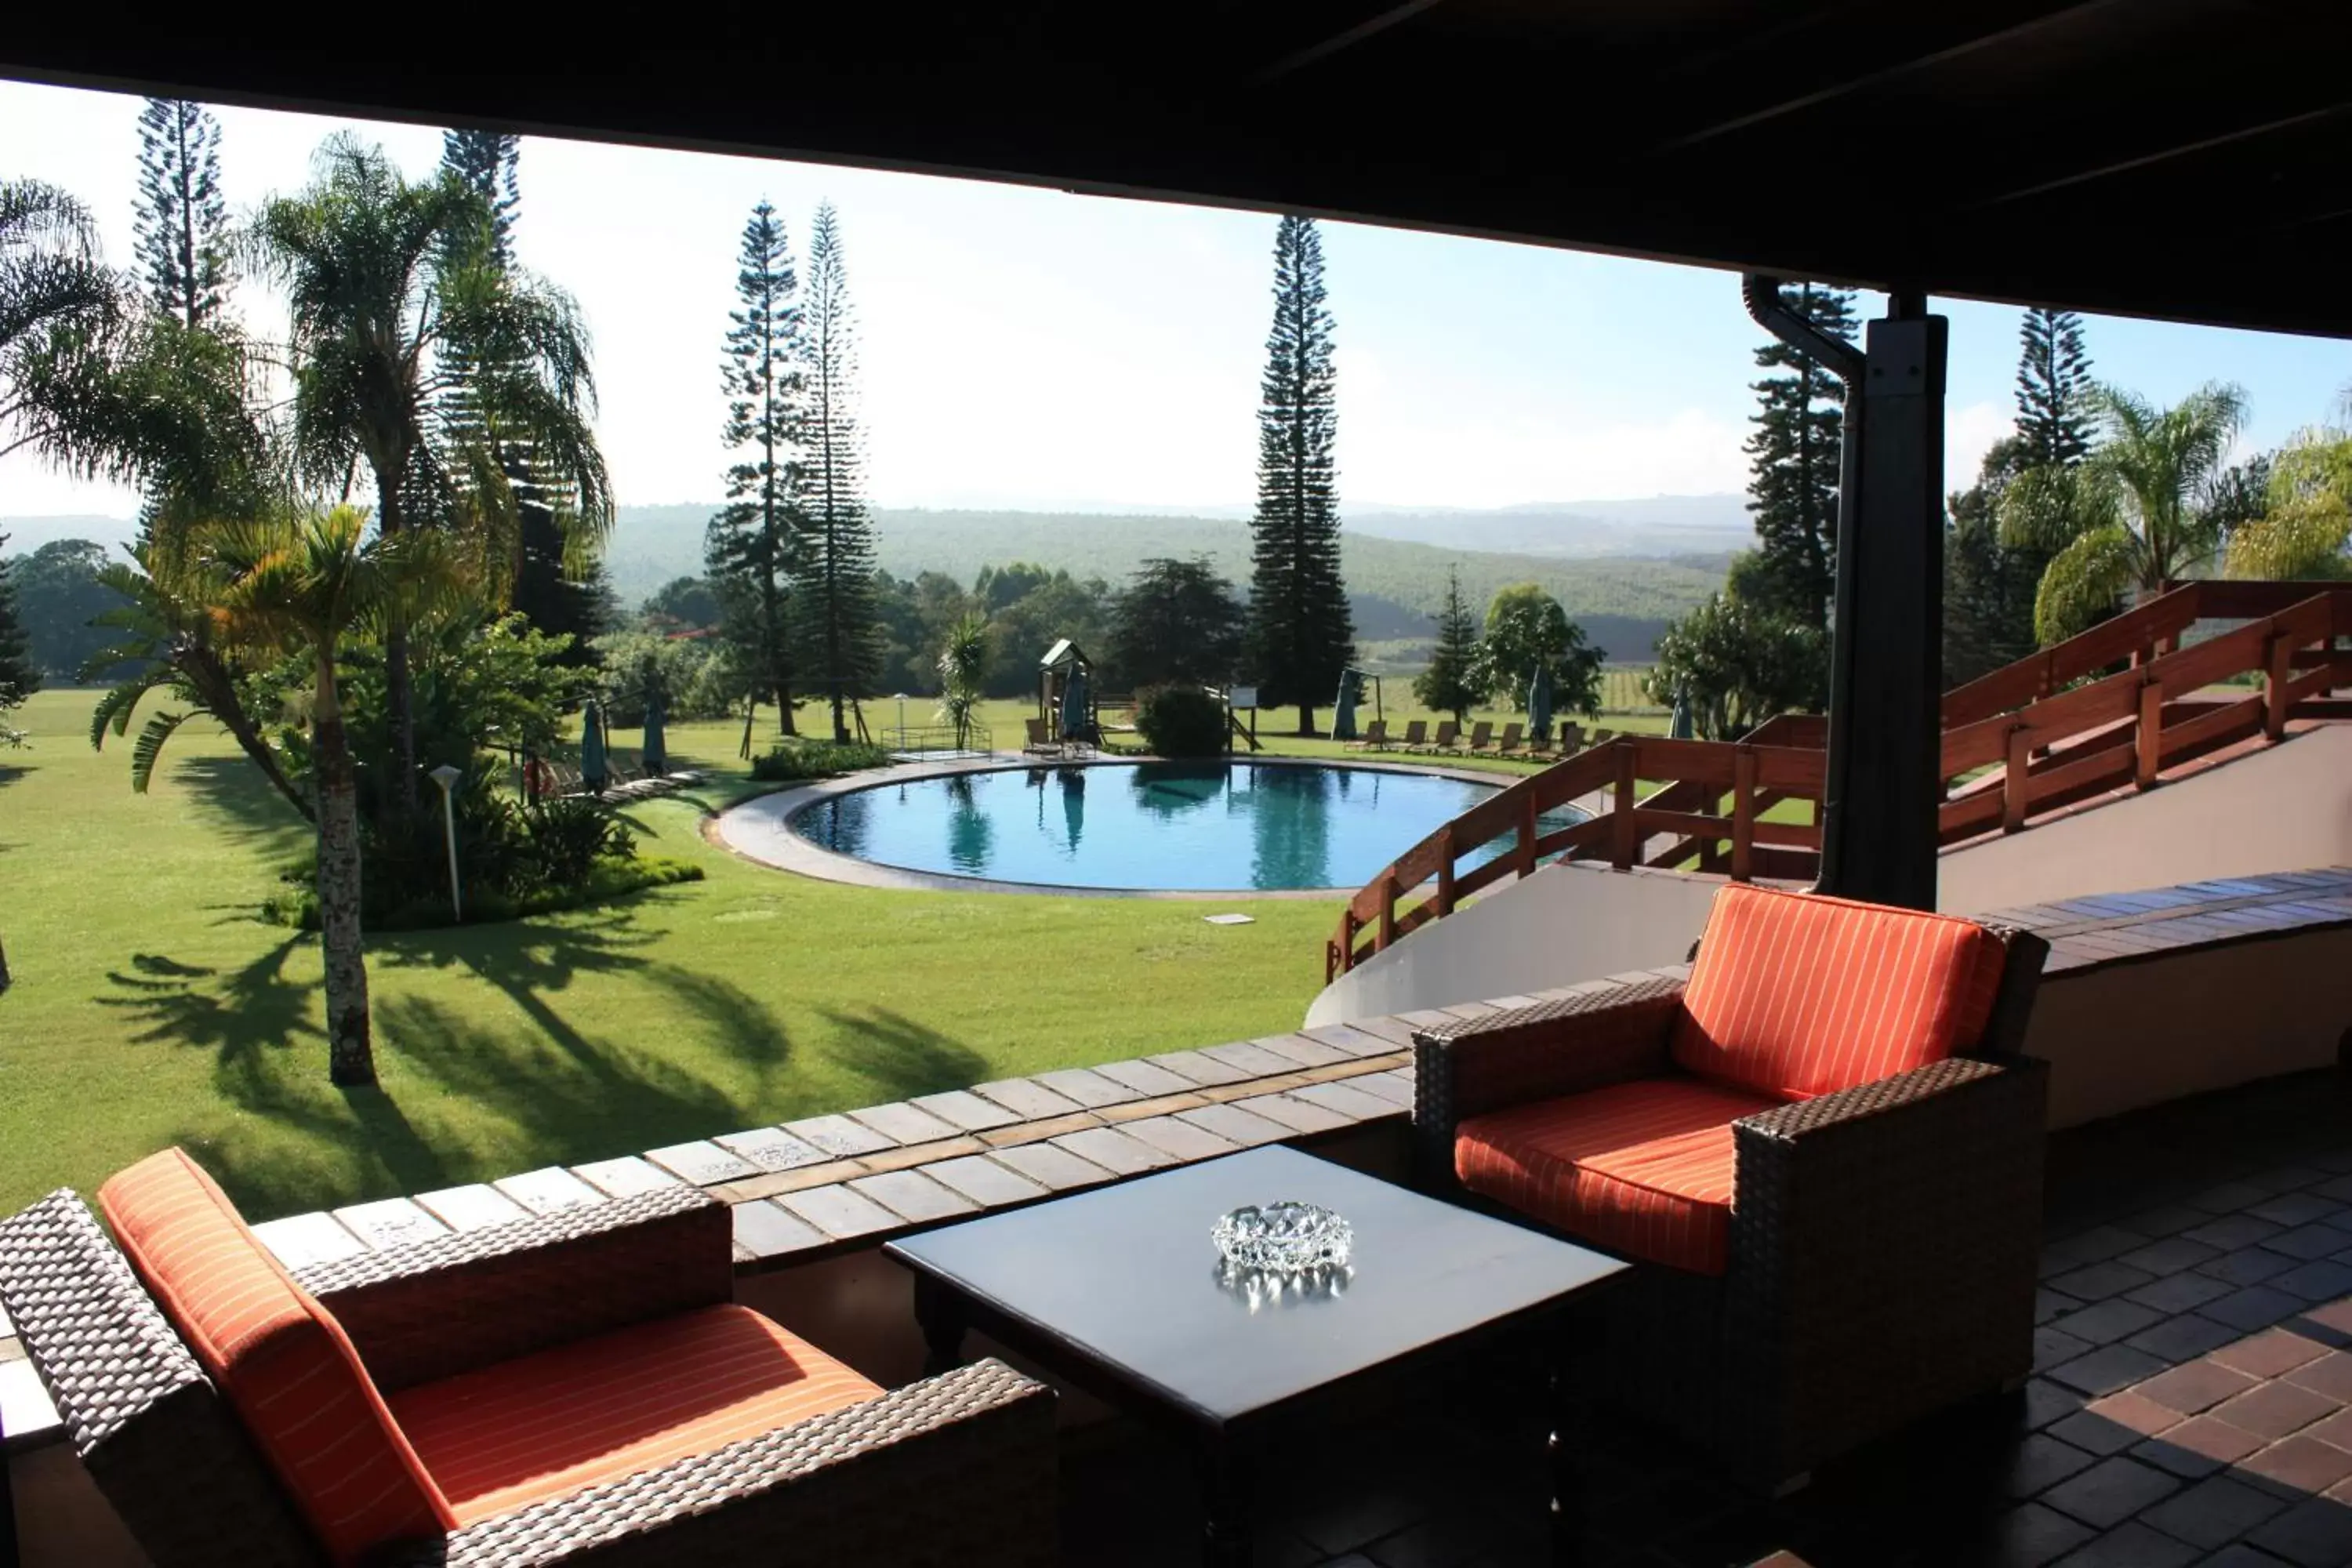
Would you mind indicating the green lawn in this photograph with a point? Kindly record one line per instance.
(150, 1005)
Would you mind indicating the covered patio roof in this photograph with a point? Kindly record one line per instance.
(2189, 159)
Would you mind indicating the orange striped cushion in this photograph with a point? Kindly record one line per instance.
(603, 1408)
(1798, 995)
(1641, 1168)
(283, 1362)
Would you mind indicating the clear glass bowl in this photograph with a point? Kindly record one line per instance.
(1284, 1237)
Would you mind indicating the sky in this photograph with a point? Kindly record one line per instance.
(1035, 349)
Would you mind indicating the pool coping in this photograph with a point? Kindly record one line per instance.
(758, 829)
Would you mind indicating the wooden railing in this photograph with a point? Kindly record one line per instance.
(2037, 736)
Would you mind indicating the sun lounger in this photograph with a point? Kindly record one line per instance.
(1482, 737)
(1448, 732)
(1511, 745)
(1376, 738)
(1416, 734)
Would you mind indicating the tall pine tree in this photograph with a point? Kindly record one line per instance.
(1793, 467)
(1301, 635)
(2053, 388)
(749, 546)
(545, 585)
(181, 222)
(1990, 584)
(1450, 684)
(490, 163)
(837, 634)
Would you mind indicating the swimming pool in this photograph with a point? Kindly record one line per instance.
(1175, 827)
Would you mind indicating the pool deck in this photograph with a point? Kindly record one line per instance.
(759, 829)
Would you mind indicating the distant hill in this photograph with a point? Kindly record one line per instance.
(1624, 600)
(1622, 568)
(1663, 526)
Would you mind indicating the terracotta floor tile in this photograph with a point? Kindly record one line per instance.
(2196, 1386)
(2199, 1447)
(2179, 1292)
(2336, 1429)
(2301, 1462)
(2108, 1320)
(2043, 1461)
(2101, 1280)
(2130, 1545)
(2183, 1339)
(2134, 1413)
(2275, 1409)
(2213, 1512)
(2315, 1535)
(2330, 1374)
(2106, 1369)
(2111, 1491)
(2029, 1536)
(2270, 1353)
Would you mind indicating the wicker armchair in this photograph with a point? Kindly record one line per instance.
(958, 1468)
(1828, 1260)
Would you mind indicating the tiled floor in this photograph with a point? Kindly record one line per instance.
(2192, 1404)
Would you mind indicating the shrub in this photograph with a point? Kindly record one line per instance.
(513, 859)
(1181, 722)
(801, 758)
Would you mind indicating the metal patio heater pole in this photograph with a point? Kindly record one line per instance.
(446, 776)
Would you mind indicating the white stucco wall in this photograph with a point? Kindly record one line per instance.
(2282, 809)
(1563, 924)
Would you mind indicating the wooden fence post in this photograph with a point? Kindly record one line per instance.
(1743, 815)
(2278, 670)
(1389, 892)
(2148, 743)
(2017, 781)
(1528, 834)
(1628, 841)
(1445, 870)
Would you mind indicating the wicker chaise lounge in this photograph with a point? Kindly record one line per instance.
(577, 1388)
(1825, 1146)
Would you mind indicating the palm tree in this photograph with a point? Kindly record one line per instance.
(414, 354)
(2129, 517)
(963, 669)
(300, 584)
(57, 300)
(169, 640)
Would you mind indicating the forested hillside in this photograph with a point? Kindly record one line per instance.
(1396, 584)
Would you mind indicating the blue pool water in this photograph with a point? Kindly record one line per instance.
(1187, 827)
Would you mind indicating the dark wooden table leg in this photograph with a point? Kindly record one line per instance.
(1226, 1499)
(1564, 1448)
(940, 1311)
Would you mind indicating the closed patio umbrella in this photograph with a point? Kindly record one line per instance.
(1074, 804)
(1343, 707)
(1539, 706)
(656, 753)
(1681, 727)
(1074, 705)
(593, 769)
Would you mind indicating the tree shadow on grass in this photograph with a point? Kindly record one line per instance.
(551, 1089)
(231, 791)
(900, 1056)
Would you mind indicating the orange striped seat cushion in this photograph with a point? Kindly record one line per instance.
(1642, 1168)
(1797, 996)
(284, 1364)
(603, 1408)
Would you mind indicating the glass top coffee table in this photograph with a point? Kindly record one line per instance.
(1121, 1292)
